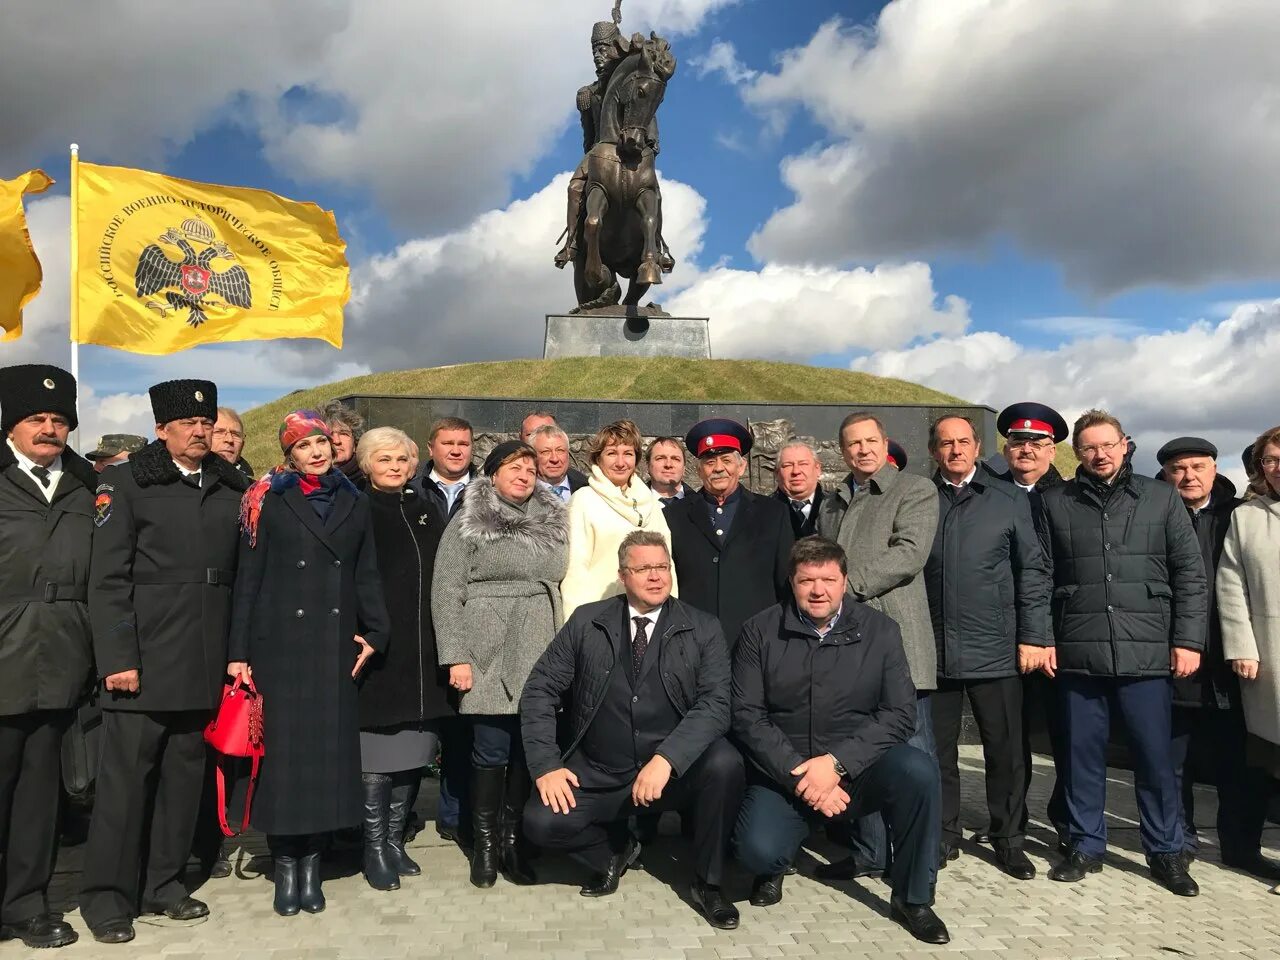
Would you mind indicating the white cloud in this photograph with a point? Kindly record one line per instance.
(722, 58)
(1131, 141)
(1214, 379)
(430, 107)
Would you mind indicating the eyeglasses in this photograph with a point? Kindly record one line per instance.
(1269, 463)
(224, 434)
(1093, 448)
(649, 568)
(1033, 444)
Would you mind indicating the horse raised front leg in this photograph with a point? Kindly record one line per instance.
(599, 276)
(649, 205)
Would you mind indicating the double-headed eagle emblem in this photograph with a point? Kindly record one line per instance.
(194, 281)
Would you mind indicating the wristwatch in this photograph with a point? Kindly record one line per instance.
(838, 765)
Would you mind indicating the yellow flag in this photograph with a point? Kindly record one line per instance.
(20, 273)
(163, 264)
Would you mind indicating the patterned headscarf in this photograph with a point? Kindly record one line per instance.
(300, 424)
(296, 426)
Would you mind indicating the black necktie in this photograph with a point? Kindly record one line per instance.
(41, 474)
(641, 642)
(798, 506)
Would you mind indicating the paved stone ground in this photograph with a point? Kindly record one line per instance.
(1118, 913)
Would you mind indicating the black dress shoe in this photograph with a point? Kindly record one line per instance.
(1075, 868)
(920, 921)
(1170, 871)
(188, 908)
(850, 868)
(947, 850)
(1015, 862)
(711, 903)
(220, 868)
(606, 884)
(1257, 865)
(46, 930)
(113, 931)
(447, 831)
(767, 890)
(982, 838)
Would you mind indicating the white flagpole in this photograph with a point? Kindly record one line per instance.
(75, 282)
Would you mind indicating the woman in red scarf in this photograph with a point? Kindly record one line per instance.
(307, 613)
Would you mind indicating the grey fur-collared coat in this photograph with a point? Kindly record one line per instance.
(495, 595)
(887, 528)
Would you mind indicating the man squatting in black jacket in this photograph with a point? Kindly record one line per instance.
(649, 710)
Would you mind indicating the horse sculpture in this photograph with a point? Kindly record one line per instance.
(622, 219)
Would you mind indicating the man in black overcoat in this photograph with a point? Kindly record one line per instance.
(730, 546)
(1208, 717)
(46, 657)
(164, 558)
(798, 473)
(648, 684)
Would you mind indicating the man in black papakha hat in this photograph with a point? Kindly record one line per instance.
(164, 558)
(46, 502)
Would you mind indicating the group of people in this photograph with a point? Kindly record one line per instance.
(585, 652)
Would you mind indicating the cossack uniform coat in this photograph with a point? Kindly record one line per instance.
(164, 559)
(305, 589)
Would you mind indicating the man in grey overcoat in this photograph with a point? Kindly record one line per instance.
(886, 521)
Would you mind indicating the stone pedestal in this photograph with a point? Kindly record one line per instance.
(593, 335)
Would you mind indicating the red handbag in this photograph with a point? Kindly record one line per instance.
(236, 731)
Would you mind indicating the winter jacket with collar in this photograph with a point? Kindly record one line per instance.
(887, 529)
(164, 560)
(1129, 582)
(1248, 591)
(987, 579)
(735, 576)
(591, 645)
(46, 647)
(495, 594)
(803, 526)
(432, 493)
(795, 696)
(600, 516)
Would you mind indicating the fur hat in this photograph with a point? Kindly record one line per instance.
(36, 388)
(178, 399)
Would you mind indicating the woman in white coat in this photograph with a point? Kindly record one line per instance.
(1248, 590)
(614, 502)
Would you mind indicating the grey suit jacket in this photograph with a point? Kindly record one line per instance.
(887, 529)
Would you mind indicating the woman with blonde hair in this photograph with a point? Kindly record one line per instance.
(615, 502)
(1248, 593)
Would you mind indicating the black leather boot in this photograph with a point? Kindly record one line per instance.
(286, 876)
(379, 871)
(511, 859)
(404, 794)
(487, 785)
(310, 897)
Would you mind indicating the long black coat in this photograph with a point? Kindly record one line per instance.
(406, 683)
(46, 652)
(1215, 683)
(1129, 582)
(589, 647)
(987, 578)
(795, 697)
(164, 558)
(745, 574)
(303, 593)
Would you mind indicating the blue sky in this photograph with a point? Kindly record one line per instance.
(1003, 206)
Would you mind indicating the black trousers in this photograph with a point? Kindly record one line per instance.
(902, 784)
(997, 708)
(150, 778)
(30, 778)
(710, 791)
(1216, 738)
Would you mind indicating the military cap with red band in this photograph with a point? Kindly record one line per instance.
(718, 435)
(1032, 420)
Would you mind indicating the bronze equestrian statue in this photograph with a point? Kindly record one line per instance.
(614, 223)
